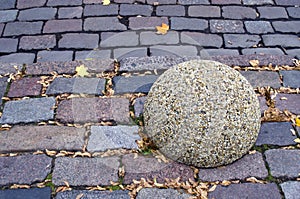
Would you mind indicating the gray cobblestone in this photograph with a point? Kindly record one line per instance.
(7, 4)
(8, 45)
(64, 2)
(241, 40)
(291, 189)
(122, 53)
(192, 2)
(30, 3)
(20, 28)
(119, 39)
(44, 193)
(238, 12)
(221, 51)
(181, 51)
(222, 2)
(139, 106)
(101, 10)
(79, 41)
(281, 40)
(151, 38)
(37, 42)
(66, 25)
(262, 78)
(1, 28)
(272, 12)
(283, 163)
(226, 26)
(45, 56)
(291, 78)
(134, 9)
(3, 86)
(204, 11)
(103, 138)
(262, 51)
(8, 15)
(69, 13)
(21, 58)
(259, 27)
(103, 24)
(288, 102)
(146, 23)
(287, 2)
(37, 14)
(156, 193)
(29, 110)
(161, 1)
(181, 23)
(294, 12)
(258, 2)
(294, 53)
(201, 39)
(93, 54)
(170, 10)
(287, 26)
(118, 194)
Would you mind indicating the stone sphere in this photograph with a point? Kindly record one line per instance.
(202, 113)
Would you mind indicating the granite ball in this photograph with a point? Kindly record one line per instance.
(202, 113)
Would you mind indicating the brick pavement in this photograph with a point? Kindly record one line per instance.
(64, 136)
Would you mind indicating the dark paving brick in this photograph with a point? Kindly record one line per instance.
(3, 87)
(122, 53)
(202, 39)
(146, 23)
(226, 2)
(161, 1)
(64, 2)
(134, 9)
(95, 54)
(98, 65)
(289, 102)
(246, 190)
(156, 193)
(258, 27)
(20, 58)
(28, 110)
(204, 11)
(66, 25)
(294, 52)
(249, 166)
(101, 10)
(258, 2)
(139, 106)
(262, 78)
(241, 40)
(119, 194)
(37, 42)
(179, 51)
(31, 193)
(30, 3)
(50, 56)
(37, 14)
(119, 39)
(33, 138)
(287, 26)
(79, 40)
(220, 51)
(76, 85)
(7, 4)
(86, 170)
(192, 2)
(170, 10)
(23, 28)
(272, 12)
(103, 24)
(103, 138)
(148, 167)
(8, 15)
(294, 12)
(291, 189)
(182, 23)
(82, 110)
(226, 26)
(8, 45)
(238, 12)
(276, 133)
(133, 84)
(283, 163)
(262, 51)
(151, 38)
(291, 78)
(25, 87)
(281, 40)
(24, 169)
(70, 12)
(287, 2)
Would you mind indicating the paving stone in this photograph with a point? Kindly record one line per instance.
(289, 102)
(226, 26)
(220, 51)
(161, 1)
(78, 85)
(258, 2)
(151, 38)
(21, 58)
(8, 45)
(1, 28)
(79, 40)
(37, 14)
(64, 2)
(135, 9)
(146, 23)
(8, 15)
(103, 138)
(276, 133)
(70, 12)
(204, 11)
(28, 110)
(262, 104)
(281, 40)
(23, 28)
(294, 52)
(182, 23)
(30, 3)
(241, 40)
(148, 167)
(92, 54)
(191, 2)
(156, 193)
(291, 78)
(119, 39)
(294, 12)
(272, 12)
(180, 51)
(118, 194)
(238, 12)
(46, 56)
(226, 2)
(246, 190)
(133, 84)
(6, 68)
(291, 189)
(24, 169)
(26, 193)
(170, 10)
(122, 53)
(283, 163)
(262, 51)
(201, 39)
(103, 24)
(139, 106)
(7, 4)
(82, 110)
(3, 87)
(33, 138)
(249, 166)
(87, 171)
(259, 27)
(65, 25)
(101, 10)
(37, 42)
(262, 78)
(287, 2)
(25, 87)
(94, 1)
(99, 65)
(287, 26)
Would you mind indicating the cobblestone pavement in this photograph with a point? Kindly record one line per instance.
(65, 136)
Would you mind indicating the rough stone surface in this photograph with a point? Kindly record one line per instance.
(28, 110)
(25, 87)
(161, 193)
(283, 163)
(50, 56)
(85, 171)
(262, 78)
(37, 42)
(93, 194)
(291, 189)
(227, 122)
(24, 169)
(103, 138)
(291, 78)
(33, 138)
(32, 193)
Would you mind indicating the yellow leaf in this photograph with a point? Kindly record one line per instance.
(297, 121)
(254, 63)
(163, 29)
(81, 71)
(106, 2)
(297, 140)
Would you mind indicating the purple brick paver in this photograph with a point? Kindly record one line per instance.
(19, 58)
(54, 26)
(48, 56)
(23, 28)
(72, 12)
(238, 12)
(37, 42)
(288, 102)
(81, 40)
(30, 3)
(25, 87)
(262, 78)
(35, 14)
(103, 24)
(146, 23)
(8, 45)
(119, 194)
(26, 193)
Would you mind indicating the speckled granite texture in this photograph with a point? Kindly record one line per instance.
(202, 113)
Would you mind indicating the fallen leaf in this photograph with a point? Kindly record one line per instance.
(212, 188)
(297, 140)
(106, 2)
(79, 196)
(254, 63)
(163, 29)
(81, 71)
(297, 120)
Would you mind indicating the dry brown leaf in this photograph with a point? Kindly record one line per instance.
(79, 196)
(211, 189)
(225, 183)
(20, 186)
(50, 153)
(254, 180)
(163, 29)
